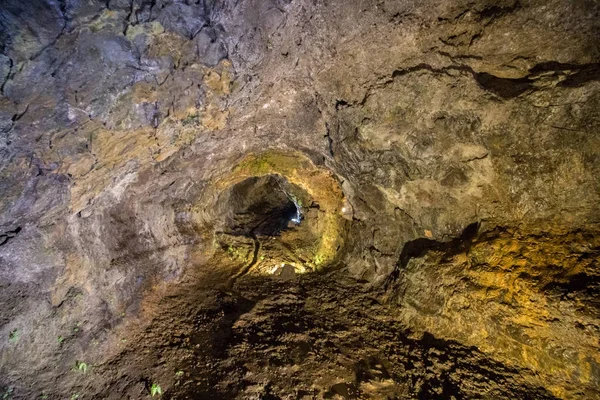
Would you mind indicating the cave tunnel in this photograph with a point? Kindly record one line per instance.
(263, 206)
(296, 199)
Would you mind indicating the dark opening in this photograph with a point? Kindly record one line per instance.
(263, 206)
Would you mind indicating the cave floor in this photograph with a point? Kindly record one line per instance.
(306, 336)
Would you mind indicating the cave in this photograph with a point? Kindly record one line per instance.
(263, 206)
(299, 199)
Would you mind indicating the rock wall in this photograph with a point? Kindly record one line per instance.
(447, 154)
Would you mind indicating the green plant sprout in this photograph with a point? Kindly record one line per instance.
(8, 393)
(81, 366)
(155, 389)
(14, 336)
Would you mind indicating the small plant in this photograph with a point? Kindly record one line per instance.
(179, 373)
(60, 340)
(75, 396)
(81, 366)
(14, 336)
(155, 390)
(8, 393)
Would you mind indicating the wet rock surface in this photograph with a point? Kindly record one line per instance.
(443, 157)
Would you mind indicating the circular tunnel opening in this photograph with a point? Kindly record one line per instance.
(275, 209)
(264, 206)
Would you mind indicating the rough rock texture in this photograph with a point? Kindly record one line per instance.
(443, 157)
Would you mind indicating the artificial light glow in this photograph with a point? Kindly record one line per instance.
(276, 268)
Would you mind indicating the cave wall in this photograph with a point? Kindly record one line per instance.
(122, 121)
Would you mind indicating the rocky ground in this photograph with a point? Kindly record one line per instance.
(265, 199)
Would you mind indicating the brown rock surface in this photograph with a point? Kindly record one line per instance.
(265, 199)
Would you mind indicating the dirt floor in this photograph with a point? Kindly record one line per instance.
(296, 336)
